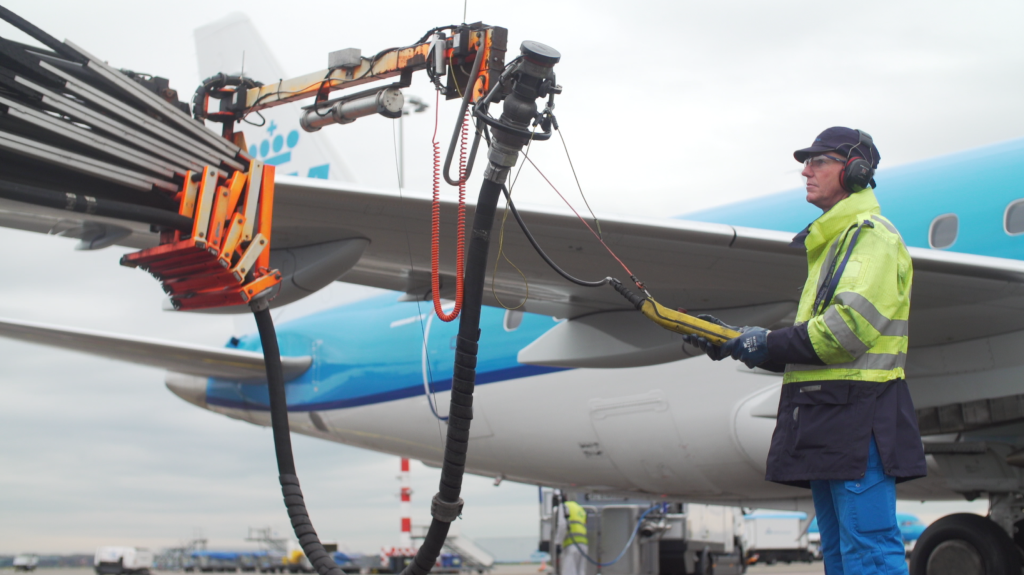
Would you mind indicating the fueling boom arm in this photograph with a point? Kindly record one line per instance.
(348, 68)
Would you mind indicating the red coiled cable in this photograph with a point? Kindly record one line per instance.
(435, 222)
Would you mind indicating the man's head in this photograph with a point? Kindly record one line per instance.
(826, 160)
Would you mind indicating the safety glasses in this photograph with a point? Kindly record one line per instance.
(818, 162)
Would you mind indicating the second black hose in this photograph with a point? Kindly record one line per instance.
(540, 251)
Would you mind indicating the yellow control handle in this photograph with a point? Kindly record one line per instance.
(680, 322)
(673, 320)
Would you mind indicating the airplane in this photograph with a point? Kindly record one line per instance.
(575, 389)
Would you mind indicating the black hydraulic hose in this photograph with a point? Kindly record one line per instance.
(293, 500)
(543, 255)
(82, 203)
(477, 62)
(447, 505)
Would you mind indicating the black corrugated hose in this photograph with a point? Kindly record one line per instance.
(531, 82)
(293, 500)
(447, 504)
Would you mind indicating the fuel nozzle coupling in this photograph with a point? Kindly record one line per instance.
(534, 78)
(636, 300)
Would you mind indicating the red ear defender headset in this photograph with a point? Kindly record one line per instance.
(858, 173)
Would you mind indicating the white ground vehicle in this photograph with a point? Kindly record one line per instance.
(777, 536)
(121, 560)
(25, 562)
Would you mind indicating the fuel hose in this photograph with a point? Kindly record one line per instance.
(519, 109)
(293, 500)
(446, 505)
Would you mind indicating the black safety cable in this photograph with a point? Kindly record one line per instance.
(293, 500)
(466, 97)
(540, 251)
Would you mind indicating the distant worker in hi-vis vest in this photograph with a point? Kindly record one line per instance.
(572, 533)
(846, 425)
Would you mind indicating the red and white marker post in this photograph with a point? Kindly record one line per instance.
(405, 507)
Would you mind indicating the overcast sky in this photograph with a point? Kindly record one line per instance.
(668, 107)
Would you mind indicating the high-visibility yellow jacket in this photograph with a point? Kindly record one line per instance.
(844, 357)
(860, 333)
(577, 525)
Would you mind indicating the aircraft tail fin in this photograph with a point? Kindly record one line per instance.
(231, 43)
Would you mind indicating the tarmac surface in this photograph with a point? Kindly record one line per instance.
(816, 568)
(524, 569)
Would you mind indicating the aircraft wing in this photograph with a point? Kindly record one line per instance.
(233, 364)
(745, 276)
(741, 273)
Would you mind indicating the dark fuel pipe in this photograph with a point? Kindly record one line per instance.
(520, 110)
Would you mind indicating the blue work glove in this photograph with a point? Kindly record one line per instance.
(751, 347)
(713, 351)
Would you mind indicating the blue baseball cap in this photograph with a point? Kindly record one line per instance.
(845, 141)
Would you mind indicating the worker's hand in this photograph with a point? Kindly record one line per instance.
(751, 347)
(713, 351)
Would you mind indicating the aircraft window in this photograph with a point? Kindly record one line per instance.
(943, 231)
(1013, 219)
(513, 318)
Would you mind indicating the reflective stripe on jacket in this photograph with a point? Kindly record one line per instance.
(577, 525)
(860, 333)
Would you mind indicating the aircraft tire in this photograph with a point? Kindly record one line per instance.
(964, 544)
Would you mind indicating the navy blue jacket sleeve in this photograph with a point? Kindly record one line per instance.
(792, 345)
(773, 366)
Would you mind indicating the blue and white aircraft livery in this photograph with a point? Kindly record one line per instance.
(575, 389)
(578, 390)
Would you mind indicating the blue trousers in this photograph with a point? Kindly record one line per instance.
(857, 521)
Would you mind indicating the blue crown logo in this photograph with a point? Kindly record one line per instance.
(275, 144)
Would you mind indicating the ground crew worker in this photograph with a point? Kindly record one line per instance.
(572, 532)
(846, 425)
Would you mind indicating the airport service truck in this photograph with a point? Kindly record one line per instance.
(25, 562)
(775, 536)
(123, 560)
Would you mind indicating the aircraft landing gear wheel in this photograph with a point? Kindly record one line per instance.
(964, 544)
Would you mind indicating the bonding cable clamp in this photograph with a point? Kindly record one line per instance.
(443, 510)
